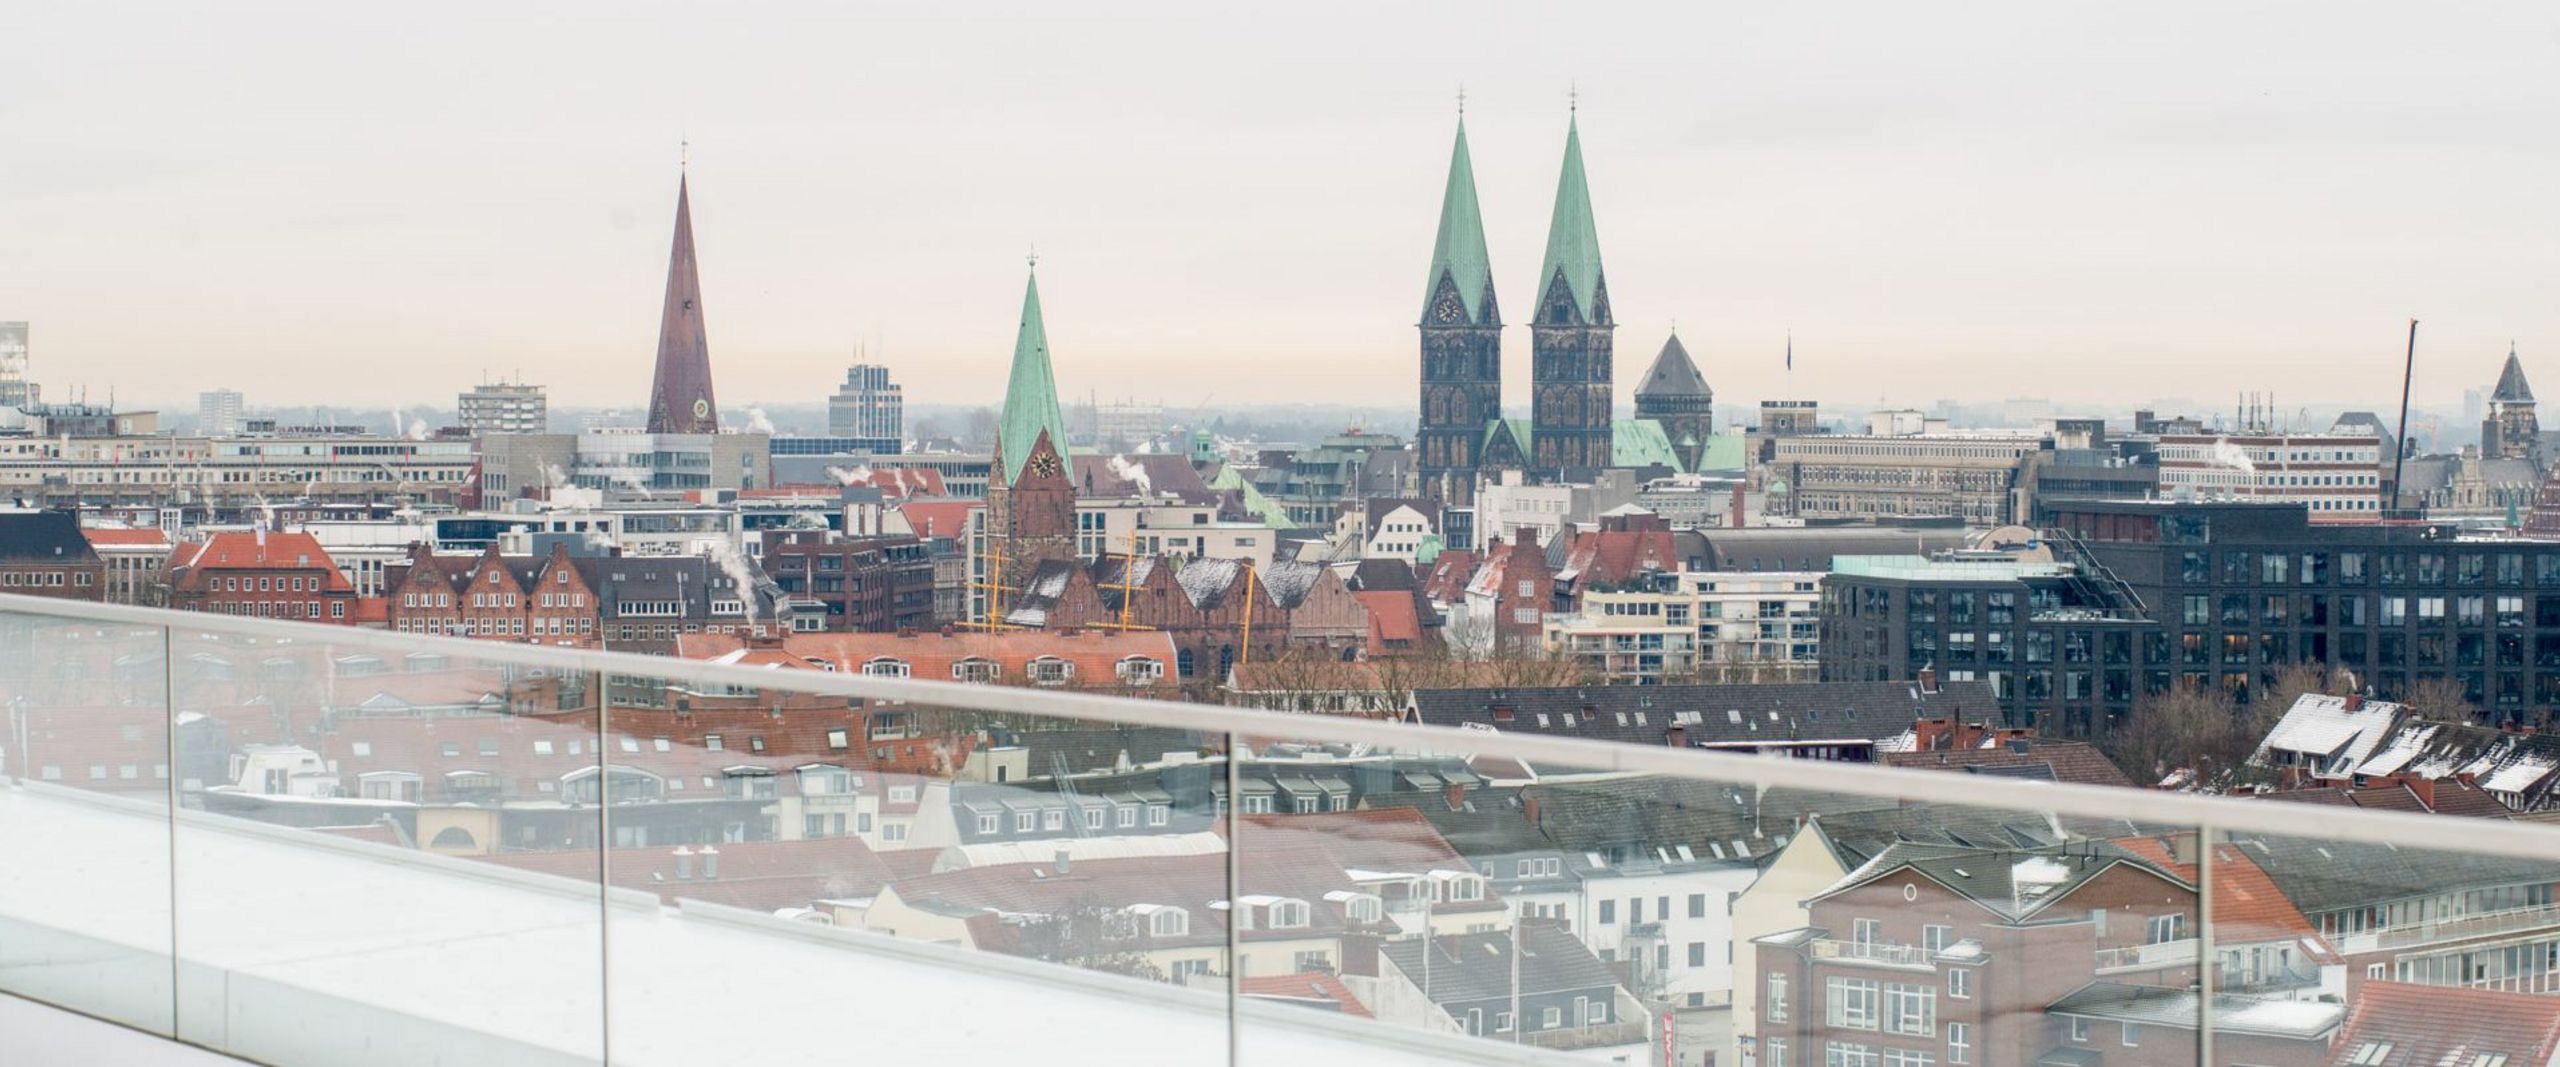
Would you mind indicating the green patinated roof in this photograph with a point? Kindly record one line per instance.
(1724, 452)
(1459, 251)
(1521, 430)
(1427, 551)
(1031, 393)
(1255, 503)
(1573, 240)
(1640, 443)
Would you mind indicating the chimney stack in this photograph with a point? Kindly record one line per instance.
(684, 864)
(1929, 680)
(1066, 862)
(710, 862)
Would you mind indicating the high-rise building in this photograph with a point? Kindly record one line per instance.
(1570, 331)
(869, 408)
(1126, 425)
(1461, 343)
(503, 407)
(2511, 431)
(1675, 395)
(1031, 502)
(680, 399)
(218, 412)
(15, 389)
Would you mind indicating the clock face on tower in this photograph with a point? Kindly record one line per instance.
(701, 408)
(1447, 311)
(1045, 465)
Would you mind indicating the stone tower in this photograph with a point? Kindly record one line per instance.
(1674, 394)
(1031, 498)
(680, 398)
(1461, 343)
(2511, 431)
(1570, 331)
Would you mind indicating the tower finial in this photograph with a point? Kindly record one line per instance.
(1033, 257)
(1573, 98)
(684, 152)
(1462, 100)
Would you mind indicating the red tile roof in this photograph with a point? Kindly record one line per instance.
(1391, 616)
(1306, 988)
(1096, 654)
(2071, 761)
(251, 550)
(138, 538)
(2247, 906)
(938, 518)
(2430, 1025)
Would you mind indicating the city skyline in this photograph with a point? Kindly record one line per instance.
(1926, 221)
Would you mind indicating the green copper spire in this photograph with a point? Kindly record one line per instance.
(1459, 253)
(1031, 394)
(1573, 242)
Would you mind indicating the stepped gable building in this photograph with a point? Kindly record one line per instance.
(1676, 397)
(2511, 431)
(1031, 500)
(1461, 343)
(680, 399)
(538, 599)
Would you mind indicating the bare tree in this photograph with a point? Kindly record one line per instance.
(2191, 728)
(2441, 700)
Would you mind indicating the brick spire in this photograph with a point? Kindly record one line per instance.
(680, 398)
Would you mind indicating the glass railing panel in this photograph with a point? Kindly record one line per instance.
(389, 847)
(1527, 909)
(905, 881)
(2379, 953)
(84, 817)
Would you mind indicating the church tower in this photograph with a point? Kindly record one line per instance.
(1676, 395)
(2511, 431)
(1461, 343)
(1031, 500)
(680, 396)
(1570, 332)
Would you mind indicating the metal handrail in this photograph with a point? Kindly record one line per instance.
(2427, 832)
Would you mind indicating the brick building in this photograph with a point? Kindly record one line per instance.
(874, 584)
(537, 599)
(43, 554)
(261, 574)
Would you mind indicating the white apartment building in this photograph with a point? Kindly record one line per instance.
(2332, 474)
(1112, 527)
(1763, 617)
(1643, 638)
(503, 407)
(231, 471)
(218, 412)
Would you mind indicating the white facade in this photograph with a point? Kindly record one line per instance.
(2332, 474)
(1758, 616)
(1112, 527)
(503, 407)
(233, 471)
(1399, 535)
(1630, 637)
(218, 412)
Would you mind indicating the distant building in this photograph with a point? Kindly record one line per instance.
(541, 600)
(218, 412)
(680, 399)
(15, 388)
(870, 409)
(2331, 474)
(134, 561)
(263, 575)
(503, 407)
(876, 584)
(1676, 396)
(2511, 431)
(1123, 426)
(1967, 476)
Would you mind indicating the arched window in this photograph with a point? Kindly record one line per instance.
(884, 667)
(1051, 670)
(975, 669)
(1141, 670)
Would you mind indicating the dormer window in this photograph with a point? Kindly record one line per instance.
(1051, 670)
(885, 667)
(974, 669)
(1289, 915)
(1141, 670)
(1163, 920)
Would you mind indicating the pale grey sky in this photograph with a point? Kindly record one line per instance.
(335, 202)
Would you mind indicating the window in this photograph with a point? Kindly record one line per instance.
(1903, 1057)
(1840, 1054)
(1959, 1042)
(1050, 670)
(2132, 1035)
(1960, 983)
(1850, 1003)
(2080, 1030)
(1775, 1006)
(1053, 819)
(987, 823)
(2168, 928)
(1777, 1053)
(2370, 1054)
(885, 667)
(1159, 814)
(975, 670)
(1093, 818)
(1025, 821)
(1289, 915)
(1169, 922)
(1936, 938)
(1910, 1010)
(1697, 905)
(1128, 816)
(1141, 670)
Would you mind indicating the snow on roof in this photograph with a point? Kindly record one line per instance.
(2324, 726)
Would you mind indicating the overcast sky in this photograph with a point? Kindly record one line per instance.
(363, 203)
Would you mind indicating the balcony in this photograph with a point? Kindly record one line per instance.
(603, 901)
(2151, 957)
(2443, 931)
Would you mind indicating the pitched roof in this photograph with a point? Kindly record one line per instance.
(1714, 716)
(1392, 616)
(938, 518)
(683, 375)
(1030, 393)
(252, 550)
(2430, 1025)
(1470, 967)
(2015, 884)
(2512, 388)
(2062, 761)
(2247, 906)
(2321, 875)
(142, 537)
(1641, 443)
(1673, 374)
(1321, 991)
(1458, 253)
(43, 536)
(1573, 239)
(931, 656)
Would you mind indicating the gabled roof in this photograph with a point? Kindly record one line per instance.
(2247, 906)
(1030, 393)
(2430, 1025)
(1641, 443)
(2062, 761)
(1392, 616)
(44, 537)
(252, 550)
(2512, 388)
(2014, 884)
(1673, 374)
(1458, 253)
(1471, 967)
(2321, 875)
(1573, 239)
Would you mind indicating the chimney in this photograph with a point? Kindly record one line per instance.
(2183, 849)
(684, 864)
(2355, 702)
(1677, 736)
(1066, 862)
(2420, 786)
(1927, 732)
(1456, 795)
(710, 862)
(1737, 518)
(1929, 680)
(1529, 809)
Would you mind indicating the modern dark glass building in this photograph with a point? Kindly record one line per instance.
(2142, 595)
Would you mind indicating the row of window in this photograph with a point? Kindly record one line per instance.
(43, 579)
(272, 609)
(1096, 817)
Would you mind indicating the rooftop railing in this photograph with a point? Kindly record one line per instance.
(304, 844)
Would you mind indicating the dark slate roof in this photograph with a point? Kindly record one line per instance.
(1489, 823)
(1858, 835)
(690, 580)
(1673, 374)
(1099, 748)
(1713, 715)
(1383, 575)
(1813, 548)
(2049, 760)
(1472, 967)
(1990, 877)
(2321, 875)
(43, 537)
(2512, 388)
(1639, 815)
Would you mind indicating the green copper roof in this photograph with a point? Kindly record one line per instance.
(1031, 394)
(1255, 503)
(1573, 241)
(1640, 443)
(1459, 251)
(1521, 430)
(1724, 452)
